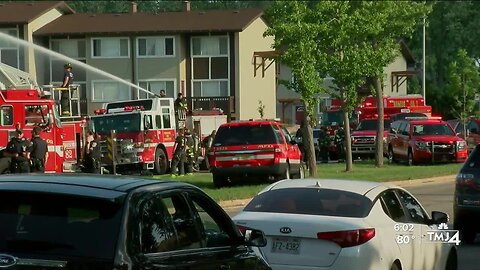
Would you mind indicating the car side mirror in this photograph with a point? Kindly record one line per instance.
(394, 130)
(255, 238)
(439, 217)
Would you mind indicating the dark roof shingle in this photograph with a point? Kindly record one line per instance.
(25, 12)
(167, 22)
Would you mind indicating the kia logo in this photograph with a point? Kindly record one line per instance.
(7, 260)
(285, 230)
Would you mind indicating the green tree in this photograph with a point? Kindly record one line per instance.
(462, 86)
(295, 30)
(384, 23)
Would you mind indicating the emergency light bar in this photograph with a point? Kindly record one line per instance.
(423, 118)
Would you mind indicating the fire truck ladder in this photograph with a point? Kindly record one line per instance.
(73, 101)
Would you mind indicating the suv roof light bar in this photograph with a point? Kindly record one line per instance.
(423, 118)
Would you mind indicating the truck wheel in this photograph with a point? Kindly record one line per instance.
(219, 181)
(410, 160)
(391, 158)
(301, 172)
(285, 175)
(161, 162)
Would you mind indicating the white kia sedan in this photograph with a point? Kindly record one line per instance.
(341, 224)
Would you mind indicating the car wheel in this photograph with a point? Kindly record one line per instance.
(391, 158)
(452, 263)
(285, 175)
(161, 162)
(219, 181)
(301, 172)
(410, 161)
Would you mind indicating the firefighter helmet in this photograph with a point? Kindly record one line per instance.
(68, 65)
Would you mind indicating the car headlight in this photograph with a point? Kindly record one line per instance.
(422, 145)
(461, 145)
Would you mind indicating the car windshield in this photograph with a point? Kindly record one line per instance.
(332, 118)
(432, 129)
(372, 124)
(119, 122)
(58, 224)
(245, 134)
(311, 201)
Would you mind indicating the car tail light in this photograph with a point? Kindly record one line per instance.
(348, 238)
(464, 179)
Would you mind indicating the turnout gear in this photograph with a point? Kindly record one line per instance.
(179, 156)
(92, 154)
(339, 141)
(65, 94)
(189, 151)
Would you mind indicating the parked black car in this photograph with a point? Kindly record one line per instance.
(95, 222)
(467, 198)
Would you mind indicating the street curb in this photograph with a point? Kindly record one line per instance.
(402, 183)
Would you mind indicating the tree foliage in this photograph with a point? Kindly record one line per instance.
(463, 84)
(450, 26)
(296, 32)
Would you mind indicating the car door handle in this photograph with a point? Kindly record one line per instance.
(224, 267)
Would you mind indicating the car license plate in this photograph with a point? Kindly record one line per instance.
(286, 245)
(246, 157)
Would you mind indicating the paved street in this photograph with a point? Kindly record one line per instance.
(436, 196)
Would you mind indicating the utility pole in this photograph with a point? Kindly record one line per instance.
(423, 64)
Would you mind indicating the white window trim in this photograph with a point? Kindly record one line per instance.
(92, 85)
(156, 80)
(92, 41)
(156, 56)
(192, 80)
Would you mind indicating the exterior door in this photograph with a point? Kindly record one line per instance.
(425, 253)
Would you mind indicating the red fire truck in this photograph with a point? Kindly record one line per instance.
(24, 105)
(145, 132)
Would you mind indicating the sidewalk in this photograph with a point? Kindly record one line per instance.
(402, 183)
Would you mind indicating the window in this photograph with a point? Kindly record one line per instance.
(415, 211)
(74, 48)
(210, 66)
(155, 46)
(36, 115)
(311, 201)
(394, 127)
(103, 124)
(110, 48)
(166, 118)
(472, 127)
(7, 115)
(9, 50)
(286, 134)
(157, 233)
(110, 91)
(245, 134)
(51, 223)
(213, 234)
(392, 207)
(155, 87)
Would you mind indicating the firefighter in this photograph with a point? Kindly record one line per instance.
(39, 154)
(19, 149)
(178, 161)
(65, 94)
(300, 140)
(324, 144)
(92, 153)
(189, 152)
(207, 143)
(163, 94)
(180, 107)
(197, 150)
(339, 141)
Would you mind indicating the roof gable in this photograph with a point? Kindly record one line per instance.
(166, 22)
(25, 12)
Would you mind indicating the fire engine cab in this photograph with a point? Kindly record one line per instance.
(146, 130)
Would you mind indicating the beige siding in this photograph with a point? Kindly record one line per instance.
(182, 63)
(252, 89)
(28, 30)
(399, 64)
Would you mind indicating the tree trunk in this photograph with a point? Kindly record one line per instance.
(348, 143)
(380, 129)
(308, 143)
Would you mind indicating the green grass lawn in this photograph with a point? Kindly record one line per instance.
(361, 171)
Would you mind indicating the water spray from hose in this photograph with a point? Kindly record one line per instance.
(71, 60)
